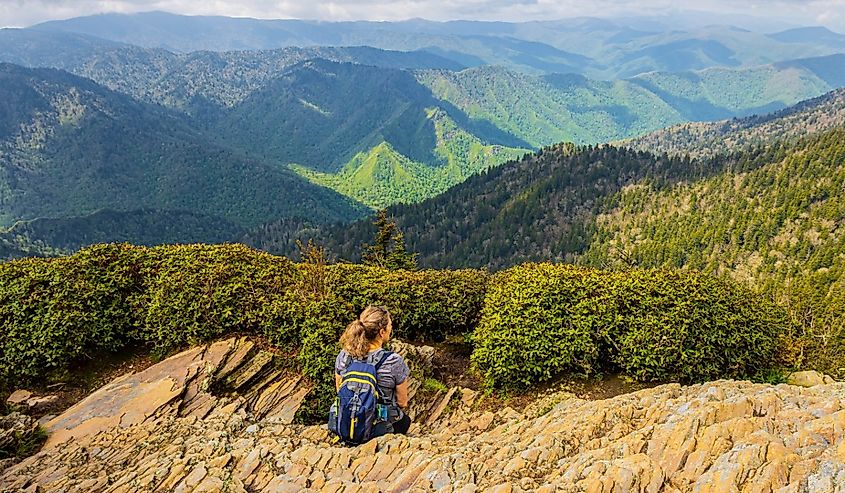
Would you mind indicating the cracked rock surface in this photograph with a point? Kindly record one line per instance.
(164, 431)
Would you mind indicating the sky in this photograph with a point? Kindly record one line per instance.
(829, 13)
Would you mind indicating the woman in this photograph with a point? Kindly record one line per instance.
(364, 340)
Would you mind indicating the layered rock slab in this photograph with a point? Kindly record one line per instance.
(219, 418)
(182, 385)
(722, 436)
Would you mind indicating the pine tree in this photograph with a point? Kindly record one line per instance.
(388, 248)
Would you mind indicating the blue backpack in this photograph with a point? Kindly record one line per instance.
(358, 401)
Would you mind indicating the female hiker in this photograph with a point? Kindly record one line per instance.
(372, 382)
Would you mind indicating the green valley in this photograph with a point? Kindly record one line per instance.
(358, 120)
(383, 177)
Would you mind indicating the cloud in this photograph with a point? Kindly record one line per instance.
(27, 12)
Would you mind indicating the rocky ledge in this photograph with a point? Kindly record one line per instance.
(167, 429)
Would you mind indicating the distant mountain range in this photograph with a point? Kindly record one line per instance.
(143, 137)
(596, 48)
(534, 110)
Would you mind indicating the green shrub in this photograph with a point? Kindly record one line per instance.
(540, 320)
(55, 311)
(199, 292)
(424, 305)
(688, 326)
(531, 322)
(320, 327)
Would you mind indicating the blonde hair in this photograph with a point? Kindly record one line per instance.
(359, 334)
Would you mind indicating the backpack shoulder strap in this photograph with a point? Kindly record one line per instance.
(384, 357)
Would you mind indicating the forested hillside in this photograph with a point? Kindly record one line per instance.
(547, 205)
(541, 207)
(765, 224)
(192, 82)
(381, 134)
(708, 139)
(55, 236)
(543, 110)
(320, 114)
(69, 147)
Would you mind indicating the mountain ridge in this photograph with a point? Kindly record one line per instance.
(609, 49)
(71, 147)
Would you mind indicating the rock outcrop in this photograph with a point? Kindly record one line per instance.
(722, 436)
(25, 402)
(17, 431)
(809, 378)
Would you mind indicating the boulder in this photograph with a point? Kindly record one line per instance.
(18, 399)
(37, 404)
(808, 378)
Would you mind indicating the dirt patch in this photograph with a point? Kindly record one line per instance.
(587, 388)
(451, 366)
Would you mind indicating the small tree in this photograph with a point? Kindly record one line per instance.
(388, 248)
(315, 279)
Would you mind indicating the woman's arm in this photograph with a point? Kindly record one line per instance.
(402, 394)
(337, 380)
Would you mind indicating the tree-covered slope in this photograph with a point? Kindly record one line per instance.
(709, 138)
(321, 115)
(142, 226)
(380, 134)
(69, 147)
(543, 110)
(718, 93)
(268, 105)
(546, 109)
(539, 207)
(325, 118)
(382, 176)
(768, 223)
(188, 81)
(546, 205)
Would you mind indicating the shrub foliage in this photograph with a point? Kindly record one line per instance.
(56, 312)
(542, 319)
(530, 323)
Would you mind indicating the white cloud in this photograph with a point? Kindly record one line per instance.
(27, 12)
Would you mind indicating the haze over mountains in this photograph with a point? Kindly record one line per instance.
(268, 126)
(594, 47)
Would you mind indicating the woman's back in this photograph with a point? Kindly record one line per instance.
(392, 372)
(363, 341)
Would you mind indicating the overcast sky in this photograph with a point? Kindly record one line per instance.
(830, 13)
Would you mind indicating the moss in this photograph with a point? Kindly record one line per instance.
(434, 385)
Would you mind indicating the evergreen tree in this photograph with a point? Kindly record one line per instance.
(388, 248)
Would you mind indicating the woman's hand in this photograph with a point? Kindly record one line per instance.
(337, 380)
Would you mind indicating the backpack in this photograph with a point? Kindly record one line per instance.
(357, 402)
